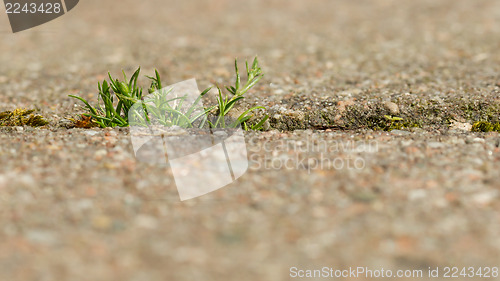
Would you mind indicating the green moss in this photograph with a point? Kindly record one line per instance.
(21, 117)
(481, 110)
(396, 123)
(376, 118)
(484, 126)
(402, 125)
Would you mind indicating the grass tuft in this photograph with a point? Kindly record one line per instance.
(226, 102)
(116, 98)
(114, 101)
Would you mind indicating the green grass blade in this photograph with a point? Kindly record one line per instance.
(230, 104)
(238, 78)
(250, 110)
(86, 103)
(260, 125)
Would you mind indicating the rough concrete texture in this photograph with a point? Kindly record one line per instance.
(75, 205)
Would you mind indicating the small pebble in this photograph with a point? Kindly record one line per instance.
(478, 140)
(455, 125)
(417, 194)
(392, 107)
(43, 237)
(399, 133)
(101, 222)
(145, 221)
(221, 134)
(435, 144)
(91, 133)
(484, 198)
